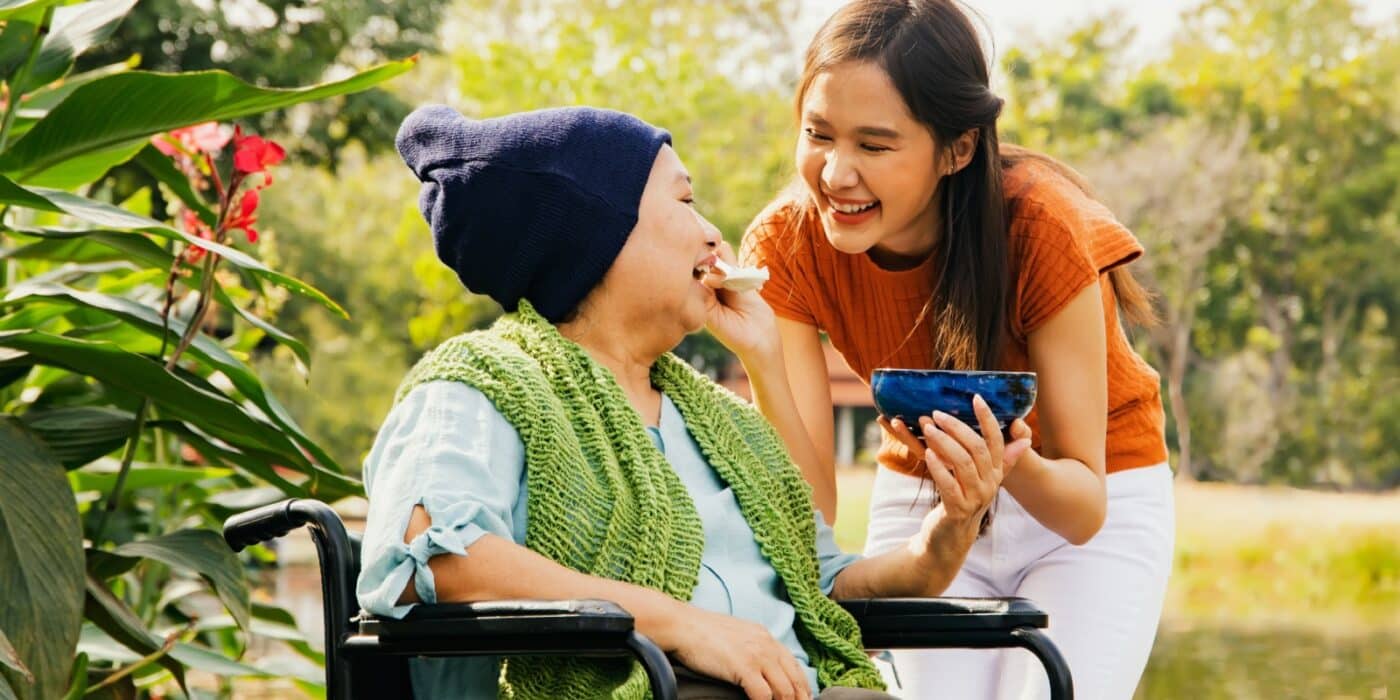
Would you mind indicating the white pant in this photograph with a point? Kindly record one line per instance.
(1103, 598)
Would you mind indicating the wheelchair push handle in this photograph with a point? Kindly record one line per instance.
(262, 524)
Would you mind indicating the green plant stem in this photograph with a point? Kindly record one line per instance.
(17, 85)
(113, 498)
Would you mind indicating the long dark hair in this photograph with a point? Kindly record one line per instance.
(932, 54)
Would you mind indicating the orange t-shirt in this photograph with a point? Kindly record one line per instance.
(1061, 241)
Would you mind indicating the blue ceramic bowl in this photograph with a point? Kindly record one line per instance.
(907, 394)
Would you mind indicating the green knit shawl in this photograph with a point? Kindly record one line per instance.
(604, 501)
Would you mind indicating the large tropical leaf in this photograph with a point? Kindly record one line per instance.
(113, 617)
(109, 216)
(41, 100)
(75, 29)
(173, 393)
(9, 658)
(204, 348)
(138, 104)
(79, 434)
(10, 8)
(41, 560)
(17, 37)
(101, 645)
(62, 244)
(205, 553)
(232, 453)
(103, 476)
(11, 666)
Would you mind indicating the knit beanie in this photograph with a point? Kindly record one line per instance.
(534, 205)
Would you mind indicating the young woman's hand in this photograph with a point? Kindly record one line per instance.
(742, 321)
(737, 651)
(967, 468)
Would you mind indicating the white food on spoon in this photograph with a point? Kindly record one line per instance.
(741, 279)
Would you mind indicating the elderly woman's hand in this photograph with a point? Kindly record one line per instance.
(742, 653)
(742, 321)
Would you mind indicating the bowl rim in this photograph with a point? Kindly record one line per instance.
(949, 372)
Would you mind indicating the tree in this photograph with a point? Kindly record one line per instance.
(1148, 184)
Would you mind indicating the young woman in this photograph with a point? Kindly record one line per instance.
(915, 239)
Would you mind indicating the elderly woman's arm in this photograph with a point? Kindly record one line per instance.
(719, 646)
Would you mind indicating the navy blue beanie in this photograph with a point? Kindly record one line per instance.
(531, 206)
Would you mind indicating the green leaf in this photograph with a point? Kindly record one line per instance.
(75, 29)
(203, 348)
(77, 681)
(10, 8)
(39, 102)
(9, 658)
(142, 250)
(83, 168)
(103, 565)
(234, 453)
(142, 476)
(205, 553)
(134, 246)
(120, 624)
(100, 644)
(159, 166)
(79, 434)
(17, 37)
(41, 559)
(139, 104)
(175, 394)
(109, 216)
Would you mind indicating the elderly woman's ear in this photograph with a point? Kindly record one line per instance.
(531, 206)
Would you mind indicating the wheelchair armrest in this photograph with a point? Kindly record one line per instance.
(516, 627)
(531, 623)
(926, 623)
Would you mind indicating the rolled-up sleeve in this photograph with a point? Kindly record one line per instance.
(444, 447)
(830, 559)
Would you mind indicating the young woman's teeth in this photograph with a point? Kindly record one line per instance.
(852, 208)
(700, 271)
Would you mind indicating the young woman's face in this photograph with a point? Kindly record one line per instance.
(660, 266)
(870, 166)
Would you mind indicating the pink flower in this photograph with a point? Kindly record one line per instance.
(208, 137)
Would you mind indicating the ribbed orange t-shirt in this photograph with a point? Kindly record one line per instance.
(1061, 241)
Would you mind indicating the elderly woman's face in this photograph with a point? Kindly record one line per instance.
(658, 268)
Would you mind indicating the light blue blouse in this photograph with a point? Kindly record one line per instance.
(445, 446)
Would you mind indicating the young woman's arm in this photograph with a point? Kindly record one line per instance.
(793, 390)
(1062, 485)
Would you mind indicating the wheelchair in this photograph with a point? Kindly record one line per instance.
(367, 656)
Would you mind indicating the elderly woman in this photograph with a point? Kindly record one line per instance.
(563, 453)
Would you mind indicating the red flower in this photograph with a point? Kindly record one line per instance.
(254, 154)
(194, 226)
(247, 215)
